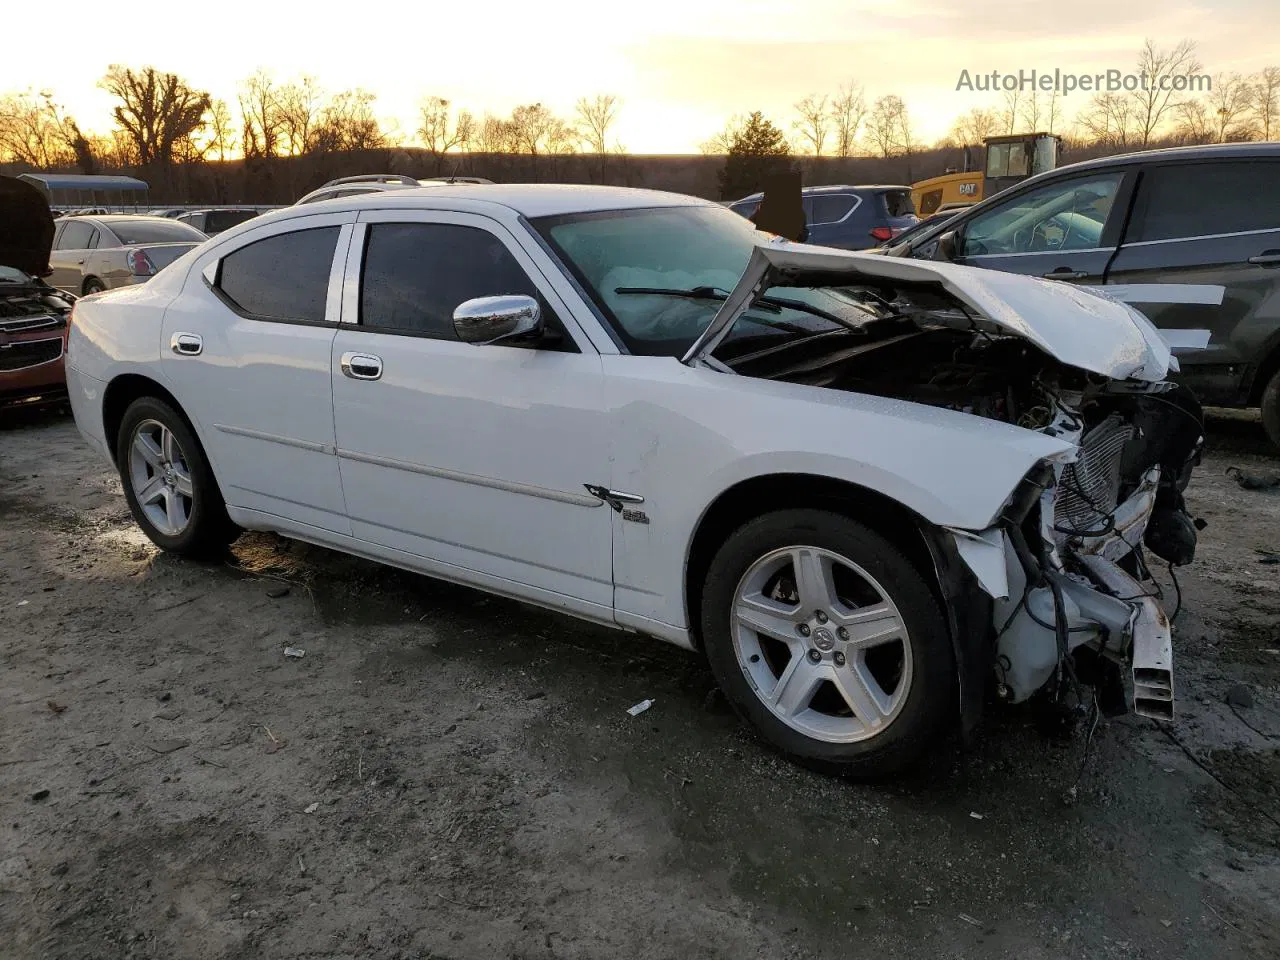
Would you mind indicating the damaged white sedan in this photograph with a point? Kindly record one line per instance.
(870, 491)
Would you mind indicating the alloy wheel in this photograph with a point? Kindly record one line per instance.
(822, 644)
(161, 478)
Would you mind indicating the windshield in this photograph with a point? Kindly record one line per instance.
(154, 231)
(659, 275)
(12, 275)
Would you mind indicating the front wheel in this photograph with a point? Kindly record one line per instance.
(168, 483)
(829, 641)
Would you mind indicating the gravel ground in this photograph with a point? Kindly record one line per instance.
(449, 775)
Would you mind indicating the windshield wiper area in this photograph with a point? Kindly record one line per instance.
(694, 293)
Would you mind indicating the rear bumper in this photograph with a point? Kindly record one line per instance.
(86, 393)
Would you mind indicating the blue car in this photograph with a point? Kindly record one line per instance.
(852, 218)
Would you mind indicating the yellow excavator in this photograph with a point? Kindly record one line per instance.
(1006, 160)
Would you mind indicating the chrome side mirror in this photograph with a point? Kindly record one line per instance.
(492, 319)
(948, 245)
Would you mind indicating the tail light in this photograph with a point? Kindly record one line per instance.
(882, 234)
(140, 264)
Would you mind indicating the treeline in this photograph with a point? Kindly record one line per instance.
(277, 139)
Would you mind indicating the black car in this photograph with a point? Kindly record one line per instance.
(1186, 215)
(852, 218)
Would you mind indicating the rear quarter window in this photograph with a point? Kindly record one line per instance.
(1203, 199)
(285, 277)
(897, 203)
(832, 208)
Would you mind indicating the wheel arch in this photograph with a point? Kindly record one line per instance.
(1267, 368)
(84, 284)
(966, 608)
(122, 391)
(758, 495)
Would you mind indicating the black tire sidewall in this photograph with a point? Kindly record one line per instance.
(1271, 409)
(93, 286)
(934, 689)
(207, 531)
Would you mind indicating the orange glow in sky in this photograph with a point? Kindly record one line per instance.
(681, 67)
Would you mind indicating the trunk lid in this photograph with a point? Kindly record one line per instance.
(1079, 326)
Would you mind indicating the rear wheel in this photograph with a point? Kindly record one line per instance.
(829, 641)
(168, 483)
(1271, 408)
(93, 285)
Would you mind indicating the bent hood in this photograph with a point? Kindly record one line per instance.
(1079, 326)
(26, 228)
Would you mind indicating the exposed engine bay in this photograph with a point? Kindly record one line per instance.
(1067, 563)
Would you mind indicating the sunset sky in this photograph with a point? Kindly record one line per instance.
(681, 67)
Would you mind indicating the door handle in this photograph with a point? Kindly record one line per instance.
(187, 344)
(80, 263)
(361, 366)
(1268, 258)
(1065, 273)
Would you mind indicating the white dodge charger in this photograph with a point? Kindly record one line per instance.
(870, 491)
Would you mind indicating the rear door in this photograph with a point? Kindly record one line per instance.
(1064, 230)
(1211, 222)
(246, 349)
(71, 247)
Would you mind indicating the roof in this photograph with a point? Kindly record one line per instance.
(526, 199)
(1209, 151)
(75, 181)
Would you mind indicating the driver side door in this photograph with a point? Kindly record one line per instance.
(1066, 230)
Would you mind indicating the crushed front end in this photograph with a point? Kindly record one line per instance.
(1068, 563)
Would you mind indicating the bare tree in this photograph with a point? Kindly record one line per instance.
(157, 110)
(848, 108)
(1265, 101)
(440, 131)
(813, 122)
(494, 135)
(1012, 108)
(348, 123)
(259, 107)
(1155, 98)
(718, 144)
(299, 107)
(34, 131)
(1195, 123)
(531, 125)
(1229, 101)
(1110, 120)
(222, 136)
(595, 118)
(975, 126)
(889, 127)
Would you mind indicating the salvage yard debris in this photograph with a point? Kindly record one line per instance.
(639, 708)
(296, 653)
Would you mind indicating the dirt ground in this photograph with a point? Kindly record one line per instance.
(447, 775)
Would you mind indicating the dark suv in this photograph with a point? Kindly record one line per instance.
(1186, 215)
(853, 218)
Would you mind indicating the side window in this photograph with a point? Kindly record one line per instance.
(1202, 199)
(745, 208)
(1060, 216)
(416, 274)
(830, 208)
(75, 235)
(285, 277)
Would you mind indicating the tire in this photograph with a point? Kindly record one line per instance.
(911, 677)
(168, 483)
(1271, 408)
(93, 285)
